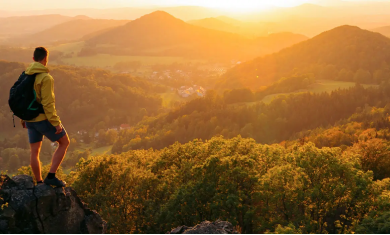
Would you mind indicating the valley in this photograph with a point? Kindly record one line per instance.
(319, 87)
(274, 118)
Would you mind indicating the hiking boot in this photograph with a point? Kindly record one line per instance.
(54, 182)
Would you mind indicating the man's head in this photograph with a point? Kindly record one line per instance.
(41, 55)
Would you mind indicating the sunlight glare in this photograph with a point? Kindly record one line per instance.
(244, 5)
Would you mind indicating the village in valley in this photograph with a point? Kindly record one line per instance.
(184, 83)
(187, 91)
(186, 78)
(82, 134)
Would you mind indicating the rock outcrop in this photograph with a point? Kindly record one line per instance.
(26, 208)
(207, 227)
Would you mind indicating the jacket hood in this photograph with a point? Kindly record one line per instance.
(36, 67)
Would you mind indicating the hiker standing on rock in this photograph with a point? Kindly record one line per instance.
(39, 115)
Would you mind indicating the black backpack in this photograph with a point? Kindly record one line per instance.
(23, 99)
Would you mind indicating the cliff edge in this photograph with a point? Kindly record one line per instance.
(26, 208)
(206, 227)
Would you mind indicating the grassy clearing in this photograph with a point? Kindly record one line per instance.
(330, 85)
(318, 87)
(101, 150)
(240, 104)
(94, 152)
(108, 61)
(269, 98)
(74, 47)
(105, 60)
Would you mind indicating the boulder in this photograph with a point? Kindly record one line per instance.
(206, 227)
(25, 208)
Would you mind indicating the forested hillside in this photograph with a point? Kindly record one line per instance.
(267, 123)
(161, 34)
(161, 31)
(346, 53)
(86, 98)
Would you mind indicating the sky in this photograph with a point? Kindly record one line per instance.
(21, 5)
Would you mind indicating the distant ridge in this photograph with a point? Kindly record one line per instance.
(213, 23)
(4, 14)
(228, 20)
(82, 17)
(161, 30)
(129, 13)
(159, 33)
(19, 25)
(346, 48)
(68, 31)
(383, 30)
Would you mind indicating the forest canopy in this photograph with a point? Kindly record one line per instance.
(258, 188)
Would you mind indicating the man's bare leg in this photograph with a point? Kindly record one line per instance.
(59, 154)
(34, 160)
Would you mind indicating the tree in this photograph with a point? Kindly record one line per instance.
(87, 138)
(256, 187)
(13, 163)
(111, 136)
(363, 76)
(128, 65)
(329, 72)
(345, 75)
(374, 155)
(75, 157)
(73, 144)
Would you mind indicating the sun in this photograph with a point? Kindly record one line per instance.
(234, 4)
(244, 5)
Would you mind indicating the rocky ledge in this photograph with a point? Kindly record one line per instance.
(26, 208)
(207, 227)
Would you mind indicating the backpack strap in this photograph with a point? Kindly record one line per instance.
(40, 106)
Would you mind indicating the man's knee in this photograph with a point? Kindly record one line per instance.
(35, 148)
(35, 152)
(64, 141)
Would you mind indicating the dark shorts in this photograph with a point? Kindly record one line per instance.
(36, 131)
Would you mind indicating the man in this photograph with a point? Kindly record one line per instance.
(46, 124)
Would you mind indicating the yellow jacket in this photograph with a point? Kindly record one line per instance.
(44, 87)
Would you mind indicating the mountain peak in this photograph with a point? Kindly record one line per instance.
(345, 48)
(156, 20)
(82, 17)
(228, 20)
(159, 15)
(347, 32)
(346, 27)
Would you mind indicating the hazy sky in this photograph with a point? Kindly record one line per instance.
(15, 5)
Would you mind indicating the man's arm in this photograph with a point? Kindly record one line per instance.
(48, 101)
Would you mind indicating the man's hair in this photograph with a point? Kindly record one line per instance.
(40, 53)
